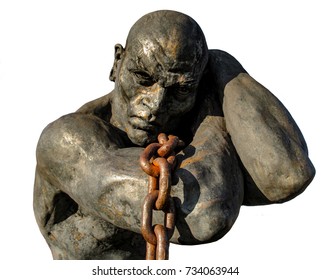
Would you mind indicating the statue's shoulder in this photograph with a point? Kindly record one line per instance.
(100, 107)
(219, 56)
(224, 66)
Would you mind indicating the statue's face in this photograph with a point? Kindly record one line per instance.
(157, 82)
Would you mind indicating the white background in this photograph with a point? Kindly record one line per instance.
(56, 55)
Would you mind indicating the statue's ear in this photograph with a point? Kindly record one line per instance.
(119, 51)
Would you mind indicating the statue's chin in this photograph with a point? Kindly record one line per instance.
(141, 137)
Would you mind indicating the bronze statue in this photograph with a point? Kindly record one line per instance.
(242, 147)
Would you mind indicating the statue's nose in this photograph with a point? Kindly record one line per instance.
(155, 99)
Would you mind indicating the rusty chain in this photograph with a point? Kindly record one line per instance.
(158, 161)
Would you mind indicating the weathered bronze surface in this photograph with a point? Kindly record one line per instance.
(242, 147)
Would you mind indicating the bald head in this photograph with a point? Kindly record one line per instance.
(172, 34)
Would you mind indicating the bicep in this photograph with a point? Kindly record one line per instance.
(267, 139)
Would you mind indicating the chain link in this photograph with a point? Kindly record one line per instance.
(158, 160)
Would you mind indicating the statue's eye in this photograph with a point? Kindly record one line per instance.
(143, 78)
(183, 91)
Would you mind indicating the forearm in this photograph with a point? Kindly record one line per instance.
(267, 139)
(79, 155)
(211, 182)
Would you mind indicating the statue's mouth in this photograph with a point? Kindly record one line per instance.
(139, 123)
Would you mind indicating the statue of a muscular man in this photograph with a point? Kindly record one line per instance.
(242, 146)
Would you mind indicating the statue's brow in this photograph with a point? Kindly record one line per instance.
(137, 63)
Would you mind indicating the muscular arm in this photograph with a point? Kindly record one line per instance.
(267, 139)
(81, 156)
